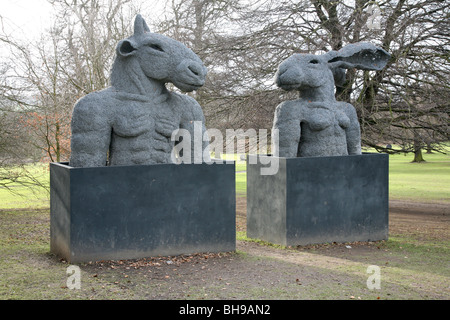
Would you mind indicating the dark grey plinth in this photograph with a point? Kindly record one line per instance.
(130, 212)
(319, 200)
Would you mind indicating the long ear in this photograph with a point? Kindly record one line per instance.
(339, 76)
(364, 56)
(140, 26)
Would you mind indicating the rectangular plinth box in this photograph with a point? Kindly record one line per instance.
(319, 199)
(131, 212)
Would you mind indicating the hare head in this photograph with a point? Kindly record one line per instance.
(317, 73)
(161, 58)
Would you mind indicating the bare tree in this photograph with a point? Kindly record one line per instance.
(407, 104)
(70, 60)
(14, 150)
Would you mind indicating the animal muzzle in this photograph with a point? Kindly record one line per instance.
(190, 75)
(289, 77)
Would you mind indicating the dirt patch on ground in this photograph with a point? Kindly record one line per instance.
(427, 221)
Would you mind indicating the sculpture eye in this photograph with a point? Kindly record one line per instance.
(156, 47)
(314, 61)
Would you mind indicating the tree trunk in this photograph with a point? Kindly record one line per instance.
(58, 146)
(418, 157)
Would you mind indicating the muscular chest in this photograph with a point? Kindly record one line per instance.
(137, 118)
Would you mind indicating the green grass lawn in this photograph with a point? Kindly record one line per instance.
(18, 196)
(422, 182)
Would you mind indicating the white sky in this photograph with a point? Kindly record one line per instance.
(25, 18)
(29, 18)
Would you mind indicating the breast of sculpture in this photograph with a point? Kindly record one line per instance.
(316, 124)
(132, 121)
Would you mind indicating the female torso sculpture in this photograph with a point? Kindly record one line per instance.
(317, 124)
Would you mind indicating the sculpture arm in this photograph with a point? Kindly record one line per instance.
(353, 132)
(287, 122)
(194, 121)
(91, 133)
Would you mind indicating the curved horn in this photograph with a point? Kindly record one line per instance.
(140, 26)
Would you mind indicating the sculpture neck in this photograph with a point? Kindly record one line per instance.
(322, 93)
(127, 76)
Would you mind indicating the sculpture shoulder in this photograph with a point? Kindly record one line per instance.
(188, 106)
(183, 100)
(289, 110)
(348, 108)
(93, 110)
(95, 101)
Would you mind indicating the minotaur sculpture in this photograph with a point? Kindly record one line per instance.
(133, 120)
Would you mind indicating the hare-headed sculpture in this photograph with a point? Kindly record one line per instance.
(132, 121)
(316, 124)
